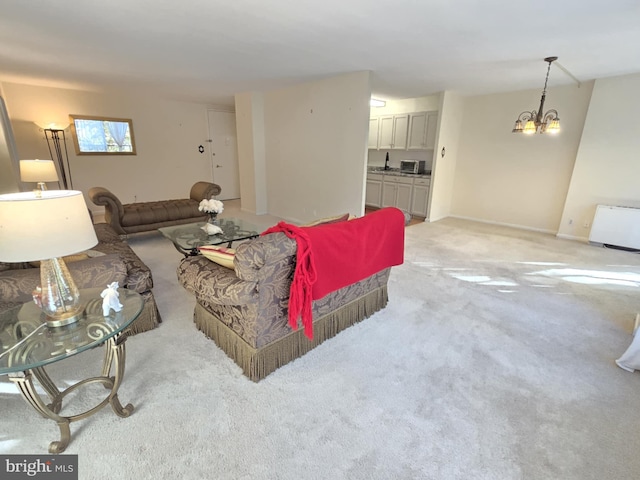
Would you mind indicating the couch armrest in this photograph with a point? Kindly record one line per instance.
(204, 190)
(113, 209)
(16, 286)
(259, 258)
(264, 269)
(214, 284)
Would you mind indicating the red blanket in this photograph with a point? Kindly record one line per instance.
(334, 255)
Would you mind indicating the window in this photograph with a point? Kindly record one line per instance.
(102, 135)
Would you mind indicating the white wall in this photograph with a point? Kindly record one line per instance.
(444, 168)
(607, 169)
(9, 178)
(517, 179)
(316, 161)
(429, 103)
(167, 135)
(316, 147)
(251, 153)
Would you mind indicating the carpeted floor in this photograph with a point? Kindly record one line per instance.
(493, 360)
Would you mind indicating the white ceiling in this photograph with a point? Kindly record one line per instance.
(207, 50)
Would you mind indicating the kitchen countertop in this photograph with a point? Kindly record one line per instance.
(396, 172)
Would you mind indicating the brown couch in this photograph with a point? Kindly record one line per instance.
(245, 310)
(111, 260)
(147, 216)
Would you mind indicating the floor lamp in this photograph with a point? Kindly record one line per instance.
(55, 141)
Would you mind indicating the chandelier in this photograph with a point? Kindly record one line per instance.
(535, 121)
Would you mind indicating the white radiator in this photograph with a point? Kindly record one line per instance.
(619, 226)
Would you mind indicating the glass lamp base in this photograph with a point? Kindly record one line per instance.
(59, 296)
(66, 319)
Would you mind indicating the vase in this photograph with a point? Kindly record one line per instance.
(213, 218)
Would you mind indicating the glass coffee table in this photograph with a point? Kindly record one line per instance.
(28, 345)
(188, 237)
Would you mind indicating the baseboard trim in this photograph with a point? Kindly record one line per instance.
(503, 224)
(564, 236)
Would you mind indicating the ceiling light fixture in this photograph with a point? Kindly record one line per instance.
(536, 121)
(377, 103)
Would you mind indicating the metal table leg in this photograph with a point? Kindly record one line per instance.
(114, 357)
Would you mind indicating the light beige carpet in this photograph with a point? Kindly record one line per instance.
(493, 360)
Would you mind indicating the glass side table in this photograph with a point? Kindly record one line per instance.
(189, 236)
(27, 345)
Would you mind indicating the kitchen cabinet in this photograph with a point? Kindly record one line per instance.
(389, 190)
(407, 131)
(397, 192)
(373, 195)
(432, 128)
(420, 196)
(392, 132)
(410, 194)
(422, 131)
(373, 132)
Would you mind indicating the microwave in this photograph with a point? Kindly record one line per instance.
(412, 166)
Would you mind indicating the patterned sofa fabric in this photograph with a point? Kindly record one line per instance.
(253, 299)
(106, 234)
(207, 280)
(17, 286)
(118, 264)
(139, 277)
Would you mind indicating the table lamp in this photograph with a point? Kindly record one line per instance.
(46, 227)
(38, 171)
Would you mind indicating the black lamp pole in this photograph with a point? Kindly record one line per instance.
(57, 147)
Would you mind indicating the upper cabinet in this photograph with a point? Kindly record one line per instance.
(373, 132)
(422, 131)
(393, 132)
(409, 131)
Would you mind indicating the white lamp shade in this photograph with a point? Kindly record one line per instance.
(52, 125)
(51, 225)
(38, 171)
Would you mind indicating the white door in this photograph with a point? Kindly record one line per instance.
(224, 153)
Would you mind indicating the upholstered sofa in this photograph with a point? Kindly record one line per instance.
(148, 216)
(111, 260)
(244, 310)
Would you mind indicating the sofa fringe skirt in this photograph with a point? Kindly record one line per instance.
(258, 363)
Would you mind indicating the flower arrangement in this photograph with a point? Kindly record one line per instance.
(211, 206)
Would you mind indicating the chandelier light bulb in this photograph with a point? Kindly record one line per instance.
(529, 127)
(554, 126)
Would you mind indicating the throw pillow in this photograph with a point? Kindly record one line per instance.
(322, 221)
(221, 255)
